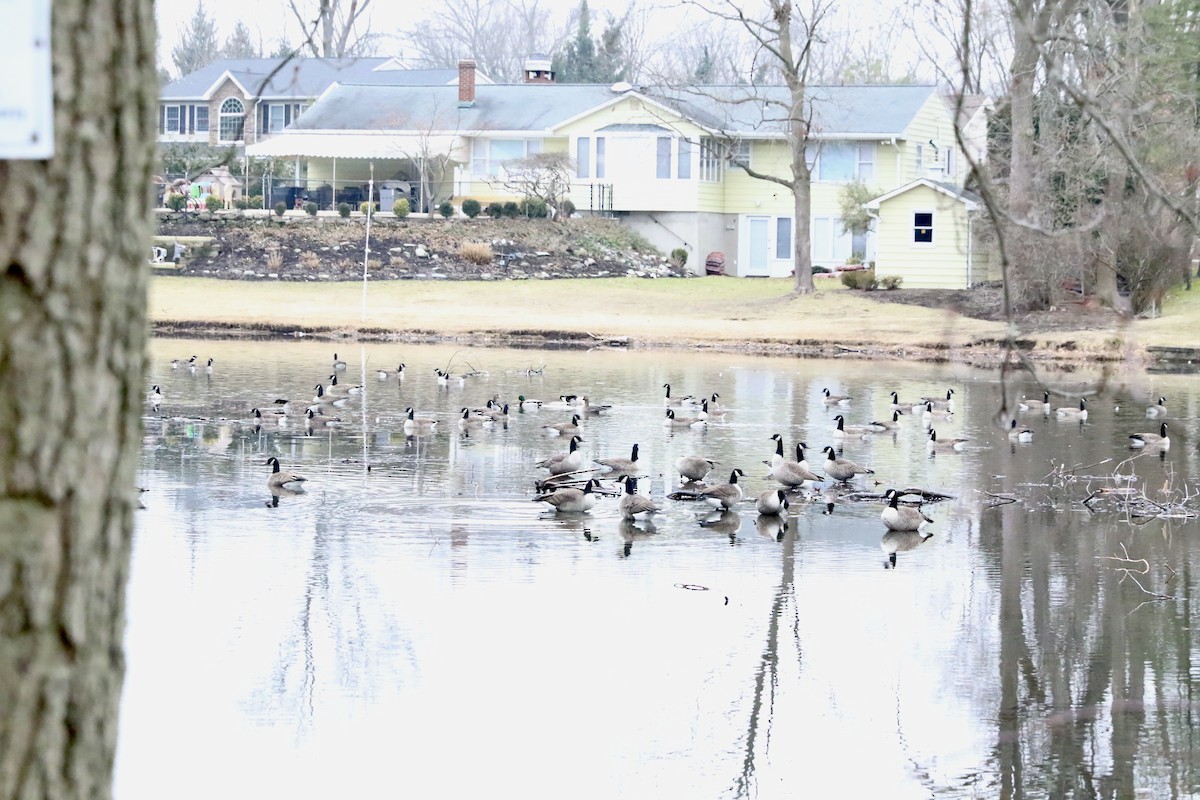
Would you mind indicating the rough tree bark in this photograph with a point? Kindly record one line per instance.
(74, 233)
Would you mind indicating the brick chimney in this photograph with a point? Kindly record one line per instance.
(537, 69)
(466, 83)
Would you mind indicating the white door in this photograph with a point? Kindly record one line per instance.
(759, 229)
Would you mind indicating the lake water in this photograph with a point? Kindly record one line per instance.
(422, 629)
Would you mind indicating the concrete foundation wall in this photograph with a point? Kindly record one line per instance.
(698, 233)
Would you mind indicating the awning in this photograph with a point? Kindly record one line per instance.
(355, 144)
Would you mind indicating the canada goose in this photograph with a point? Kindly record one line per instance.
(208, 366)
(626, 466)
(1016, 434)
(177, 363)
(567, 402)
(1158, 441)
(723, 495)
(282, 480)
(894, 542)
(276, 415)
(569, 499)
(936, 445)
(562, 463)
(192, 365)
(672, 421)
(841, 469)
(315, 420)
(525, 404)
(322, 398)
(498, 413)
(338, 363)
(842, 430)
(1030, 404)
(694, 468)
(933, 412)
(892, 424)
(772, 501)
(834, 399)
(588, 407)
(946, 402)
(898, 404)
(155, 395)
(336, 388)
(675, 401)
(789, 473)
(469, 420)
(384, 374)
(560, 428)
(414, 423)
(1080, 413)
(800, 459)
(1159, 409)
(633, 504)
(901, 518)
(707, 411)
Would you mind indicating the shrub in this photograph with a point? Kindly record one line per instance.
(366, 208)
(176, 201)
(534, 208)
(310, 208)
(860, 279)
(476, 252)
(310, 260)
(818, 270)
(445, 209)
(213, 203)
(890, 281)
(512, 210)
(280, 208)
(255, 201)
(471, 208)
(679, 256)
(495, 210)
(401, 208)
(242, 203)
(344, 209)
(566, 209)
(274, 259)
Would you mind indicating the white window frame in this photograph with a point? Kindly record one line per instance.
(867, 148)
(583, 157)
(601, 152)
(272, 110)
(481, 155)
(662, 168)
(239, 116)
(739, 154)
(920, 155)
(179, 119)
(712, 161)
(932, 227)
(198, 110)
(790, 250)
(684, 148)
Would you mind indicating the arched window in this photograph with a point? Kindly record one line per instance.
(233, 120)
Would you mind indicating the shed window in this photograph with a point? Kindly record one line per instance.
(922, 227)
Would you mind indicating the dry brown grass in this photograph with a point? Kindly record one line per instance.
(274, 259)
(310, 260)
(479, 253)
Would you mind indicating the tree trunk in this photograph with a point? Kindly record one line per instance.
(802, 191)
(74, 242)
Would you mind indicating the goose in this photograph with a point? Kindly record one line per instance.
(772, 501)
(901, 518)
(336, 388)
(414, 423)
(894, 542)
(936, 445)
(694, 468)
(1069, 412)
(800, 459)
(714, 407)
(560, 428)
(1158, 441)
(282, 480)
(633, 504)
(588, 407)
(790, 473)
(898, 404)
(192, 365)
(842, 430)
(626, 466)
(892, 424)
(933, 412)
(384, 374)
(498, 413)
(257, 416)
(526, 404)
(723, 495)
(1030, 404)
(1159, 409)
(338, 363)
(771, 526)
(672, 421)
(1016, 434)
(841, 469)
(946, 402)
(155, 395)
(176, 363)
(323, 398)
(469, 420)
(313, 419)
(707, 411)
(834, 399)
(443, 378)
(569, 499)
(562, 463)
(208, 366)
(676, 401)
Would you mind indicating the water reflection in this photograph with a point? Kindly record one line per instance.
(414, 595)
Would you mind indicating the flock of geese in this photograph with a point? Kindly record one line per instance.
(573, 482)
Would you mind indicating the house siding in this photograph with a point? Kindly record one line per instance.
(226, 90)
(931, 123)
(941, 265)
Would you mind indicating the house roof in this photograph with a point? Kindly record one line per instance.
(299, 77)
(753, 112)
(971, 105)
(633, 127)
(969, 199)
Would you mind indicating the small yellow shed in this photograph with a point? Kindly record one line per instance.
(923, 233)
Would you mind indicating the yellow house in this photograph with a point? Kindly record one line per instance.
(673, 163)
(925, 234)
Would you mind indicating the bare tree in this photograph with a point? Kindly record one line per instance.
(336, 28)
(73, 293)
(198, 44)
(542, 176)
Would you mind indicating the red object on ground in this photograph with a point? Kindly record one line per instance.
(715, 263)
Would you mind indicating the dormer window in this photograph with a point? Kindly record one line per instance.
(233, 120)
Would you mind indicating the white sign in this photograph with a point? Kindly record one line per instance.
(26, 91)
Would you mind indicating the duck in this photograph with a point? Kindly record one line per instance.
(772, 501)
(834, 399)
(1027, 404)
(155, 395)
(633, 504)
(562, 463)
(176, 363)
(561, 428)
(565, 402)
(414, 423)
(1015, 434)
(901, 518)
(842, 469)
(672, 421)
(625, 466)
(384, 374)
(338, 363)
(282, 480)
(1157, 441)
(936, 445)
(676, 401)
(893, 424)
(894, 542)
(569, 499)
(842, 430)
(790, 473)
(723, 495)
(315, 420)
(1070, 412)
(694, 468)
(1157, 410)
(526, 404)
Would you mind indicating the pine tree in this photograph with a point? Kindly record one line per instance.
(240, 43)
(583, 61)
(198, 45)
